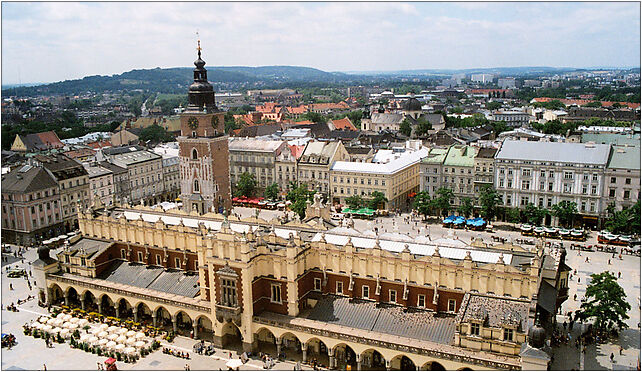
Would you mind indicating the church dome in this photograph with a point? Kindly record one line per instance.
(412, 104)
(43, 253)
(536, 336)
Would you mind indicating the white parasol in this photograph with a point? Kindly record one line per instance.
(112, 336)
(113, 329)
(130, 350)
(102, 334)
(102, 342)
(83, 322)
(96, 331)
(131, 334)
(121, 339)
(110, 344)
(66, 325)
(56, 330)
(92, 340)
(51, 321)
(234, 363)
(123, 331)
(60, 315)
(47, 328)
(58, 322)
(67, 317)
(72, 326)
(119, 347)
(85, 337)
(65, 333)
(140, 335)
(43, 319)
(139, 344)
(103, 326)
(131, 341)
(73, 320)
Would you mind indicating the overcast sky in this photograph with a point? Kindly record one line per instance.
(45, 42)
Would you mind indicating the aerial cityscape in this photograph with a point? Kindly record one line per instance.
(341, 186)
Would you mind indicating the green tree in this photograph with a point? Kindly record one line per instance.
(272, 192)
(155, 133)
(565, 211)
(378, 198)
(489, 199)
(355, 202)
(230, 122)
(493, 105)
(513, 215)
(466, 207)
(315, 117)
(593, 104)
(625, 221)
(405, 128)
(534, 214)
(422, 203)
(299, 196)
(423, 126)
(246, 185)
(605, 303)
(441, 202)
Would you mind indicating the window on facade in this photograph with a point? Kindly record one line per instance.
(177, 261)
(551, 174)
(627, 181)
(123, 254)
(584, 189)
(276, 293)
(611, 193)
(474, 329)
(524, 200)
(549, 202)
(526, 185)
(508, 334)
(627, 194)
(452, 305)
(339, 288)
(317, 284)
(229, 292)
(140, 256)
(526, 172)
(158, 260)
(365, 291)
(583, 206)
(196, 186)
(550, 186)
(392, 296)
(593, 189)
(613, 180)
(421, 301)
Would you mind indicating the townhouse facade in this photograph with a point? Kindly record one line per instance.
(458, 171)
(396, 175)
(285, 166)
(257, 157)
(31, 205)
(314, 165)
(546, 173)
(101, 184)
(144, 171)
(622, 177)
(122, 193)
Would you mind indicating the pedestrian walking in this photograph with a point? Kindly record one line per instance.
(575, 297)
(44, 367)
(619, 274)
(612, 358)
(11, 286)
(621, 349)
(609, 261)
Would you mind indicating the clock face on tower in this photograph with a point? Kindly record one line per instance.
(192, 122)
(214, 122)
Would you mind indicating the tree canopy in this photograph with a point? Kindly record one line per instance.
(466, 207)
(534, 214)
(378, 198)
(565, 211)
(513, 215)
(272, 192)
(442, 199)
(625, 221)
(405, 128)
(422, 203)
(246, 185)
(155, 133)
(605, 303)
(299, 196)
(355, 202)
(489, 200)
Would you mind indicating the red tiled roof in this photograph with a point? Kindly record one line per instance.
(268, 107)
(297, 110)
(303, 122)
(80, 153)
(486, 91)
(99, 144)
(329, 106)
(581, 102)
(296, 151)
(344, 124)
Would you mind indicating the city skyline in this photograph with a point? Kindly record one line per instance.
(83, 39)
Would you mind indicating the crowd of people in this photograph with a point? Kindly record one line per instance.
(176, 353)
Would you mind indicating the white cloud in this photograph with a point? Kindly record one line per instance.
(55, 41)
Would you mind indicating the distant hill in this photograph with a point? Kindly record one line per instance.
(177, 79)
(517, 71)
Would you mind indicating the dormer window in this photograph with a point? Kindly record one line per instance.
(508, 334)
(474, 329)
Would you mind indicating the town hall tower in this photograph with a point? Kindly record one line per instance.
(204, 153)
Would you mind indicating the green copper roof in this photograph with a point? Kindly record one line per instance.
(625, 157)
(435, 156)
(614, 138)
(461, 156)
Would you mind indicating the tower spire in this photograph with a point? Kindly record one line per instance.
(198, 48)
